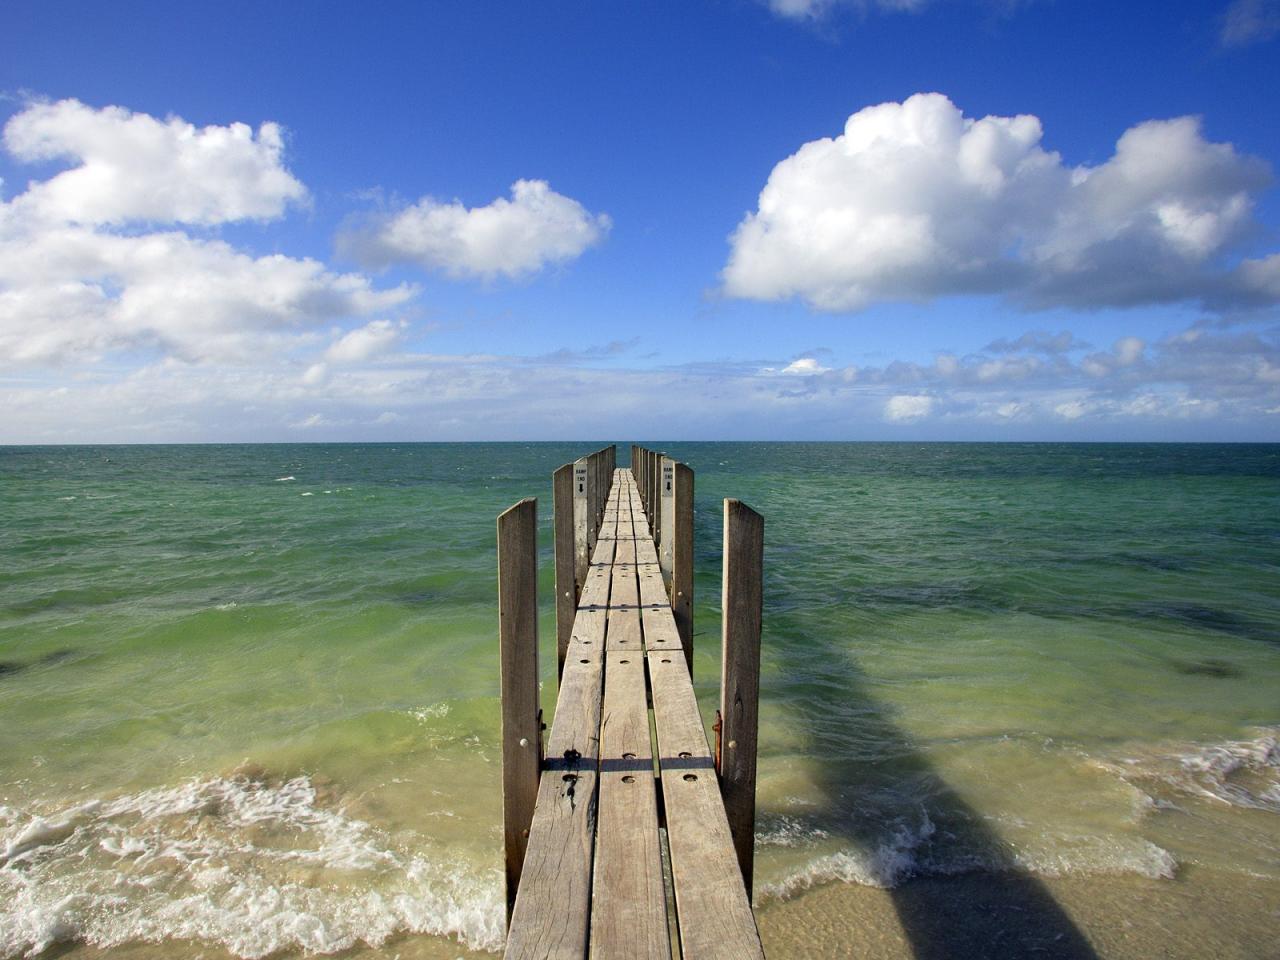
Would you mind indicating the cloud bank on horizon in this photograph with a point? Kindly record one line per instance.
(915, 201)
(114, 276)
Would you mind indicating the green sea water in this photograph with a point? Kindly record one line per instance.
(248, 694)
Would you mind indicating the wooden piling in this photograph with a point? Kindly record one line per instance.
(742, 610)
(681, 539)
(566, 584)
(652, 480)
(518, 645)
(581, 526)
(667, 515)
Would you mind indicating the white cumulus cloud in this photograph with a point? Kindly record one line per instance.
(914, 201)
(907, 408)
(805, 366)
(133, 167)
(512, 238)
(365, 343)
(79, 279)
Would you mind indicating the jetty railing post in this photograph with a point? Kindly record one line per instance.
(742, 606)
(593, 519)
(681, 539)
(650, 487)
(518, 652)
(642, 462)
(597, 495)
(566, 584)
(667, 517)
(581, 527)
(657, 489)
(637, 465)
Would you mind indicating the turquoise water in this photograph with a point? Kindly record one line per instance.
(248, 693)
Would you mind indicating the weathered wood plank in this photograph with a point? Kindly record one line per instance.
(629, 904)
(714, 912)
(742, 611)
(552, 911)
(518, 646)
(659, 625)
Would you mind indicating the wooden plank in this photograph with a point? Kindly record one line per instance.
(624, 632)
(742, 610)
(628, 899)
(553, 906)
(566, 584)
(518, 646)
(659, 625)
(629, 903)
(712, 906)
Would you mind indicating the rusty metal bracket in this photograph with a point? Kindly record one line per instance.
(541, 729)
(717, 727)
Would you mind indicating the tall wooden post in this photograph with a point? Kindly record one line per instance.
(518, 648)
(593, 518)
(581, 527)
(642, 457)
(681, 539)
(641, 480)
(742, 604)
(667, 516)
(653, 491)
(566, 585)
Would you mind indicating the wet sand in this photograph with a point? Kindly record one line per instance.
(1198, 916)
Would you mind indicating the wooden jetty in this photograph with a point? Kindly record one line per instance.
(626, 834)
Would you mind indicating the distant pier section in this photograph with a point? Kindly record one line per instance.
(628, 834)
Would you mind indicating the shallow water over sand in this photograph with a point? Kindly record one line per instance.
(248, 694)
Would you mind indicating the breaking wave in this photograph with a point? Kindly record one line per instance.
(1238, 773)
(254, 866)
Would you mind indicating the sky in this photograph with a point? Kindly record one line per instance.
(747, 219)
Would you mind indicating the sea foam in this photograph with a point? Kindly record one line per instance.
(254, 866)
(1238, 773)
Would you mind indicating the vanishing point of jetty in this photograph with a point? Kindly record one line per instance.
(626, 833)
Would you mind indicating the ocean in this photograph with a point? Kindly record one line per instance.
(248, 696)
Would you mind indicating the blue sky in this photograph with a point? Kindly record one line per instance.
(1045, 220)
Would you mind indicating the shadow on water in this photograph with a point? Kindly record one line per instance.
(962, 897)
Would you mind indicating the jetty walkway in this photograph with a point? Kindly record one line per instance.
(627, 835)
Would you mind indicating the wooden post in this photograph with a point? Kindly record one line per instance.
(742, 609)
(593, 519)
(581, 528)
(602, 490)
(651, 478)
(681, 539)
(666, 517)
(566, 584)
(518, 646)
(641, 485)
(642, 456)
